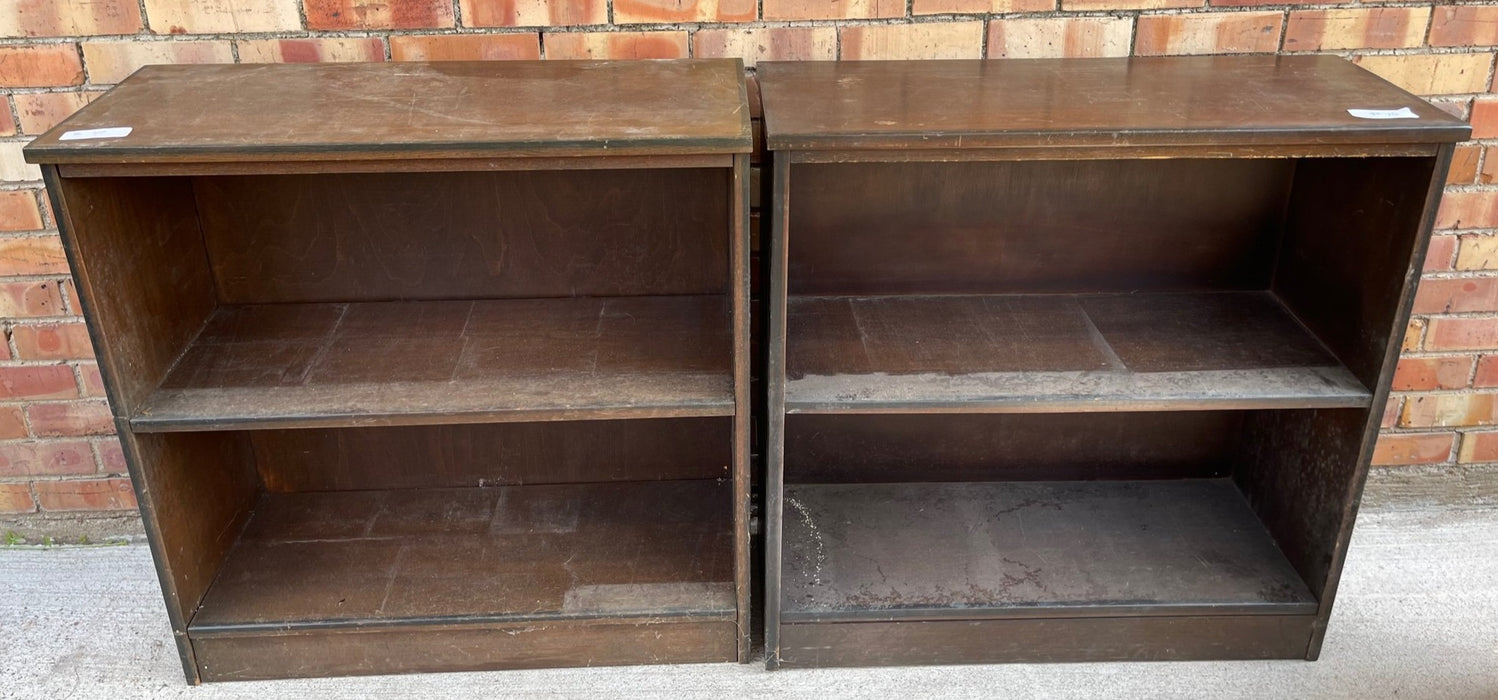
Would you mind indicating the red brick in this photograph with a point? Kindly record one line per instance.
(1378, 28)
(46, 458)
(1427, 448)
(755, 44)
(1441, 253)
(69, 17)
(93, 382)
(467, 47)
(328, 50)
(1461, 295)
(1248, 3)
(1463, 170)
(52, 341)
(1218, 32)
(38, 382)
(1096, 5)
(113, 61)
(31, 299)
(1479, 447)
(221, 17)
(7, 123)
(16, 498)
(70, 419)
(378, 14)
(533, 13)
(1468, 210)
(1464, 25)
(87, 494)
(1487, 372)
(1428, 373)
(942, 7)
(832, 9)
(1391, 411)
(1449, 410)
(111, 456)
(618, 45)
(1433, 74)
(41, 111)
(923, 41)
(667, 11)
(1484, 118)
(1060, 37)
(19, 212)
(1462, 334)
(45, 65)
(1414, 333)
(12, 423)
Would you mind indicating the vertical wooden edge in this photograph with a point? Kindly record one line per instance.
(1380, 397)
(775, 408)
(174, 607)
(739, 276)
(83, 294)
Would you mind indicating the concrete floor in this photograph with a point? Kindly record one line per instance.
(1417, 618)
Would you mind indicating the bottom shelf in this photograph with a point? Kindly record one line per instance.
(965, 551)
(469, 578)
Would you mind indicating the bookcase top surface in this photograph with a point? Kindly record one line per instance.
(225, 113)
(1113, 102)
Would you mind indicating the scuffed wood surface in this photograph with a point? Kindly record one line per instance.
(1063, 548)
(1221, 101)
(393, 363)
(412, 110)
(1035, 353)
(514, 553)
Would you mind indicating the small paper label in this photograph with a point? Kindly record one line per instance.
(112, 132)
(1401, 113)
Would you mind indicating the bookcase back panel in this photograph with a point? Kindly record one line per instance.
(442, 456)
(466, 235)
(1044, 226)
(893, 448)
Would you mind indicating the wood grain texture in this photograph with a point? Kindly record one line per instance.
(1029, 353)
(310, 365)
(1221, 101)
(1351, 229)
(1049, 226)
(894, 448)
(139, 262)
(1030, 641)
(468, 647)
(517, 553)
(333, 111)
(498, 454)
(1030, 549)
(374, 237)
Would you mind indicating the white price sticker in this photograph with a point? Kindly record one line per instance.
(1401, 113)
(112, 132)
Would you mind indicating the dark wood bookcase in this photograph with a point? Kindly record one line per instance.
(426, 367)
(1079, 359)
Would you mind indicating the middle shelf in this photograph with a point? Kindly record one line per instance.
(415, 362)
(1057, 353)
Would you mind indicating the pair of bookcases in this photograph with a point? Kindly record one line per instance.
(447, 366)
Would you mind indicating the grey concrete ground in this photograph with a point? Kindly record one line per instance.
(1417, 618)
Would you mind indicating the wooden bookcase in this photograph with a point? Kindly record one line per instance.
(426, 367)
(1079, 359)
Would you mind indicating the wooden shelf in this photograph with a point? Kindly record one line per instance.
(405, 363)
(863, 552)
(508, 554)
(1052, 353)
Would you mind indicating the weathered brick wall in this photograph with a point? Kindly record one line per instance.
(57, 454)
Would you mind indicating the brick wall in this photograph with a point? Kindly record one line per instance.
(57, 453)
